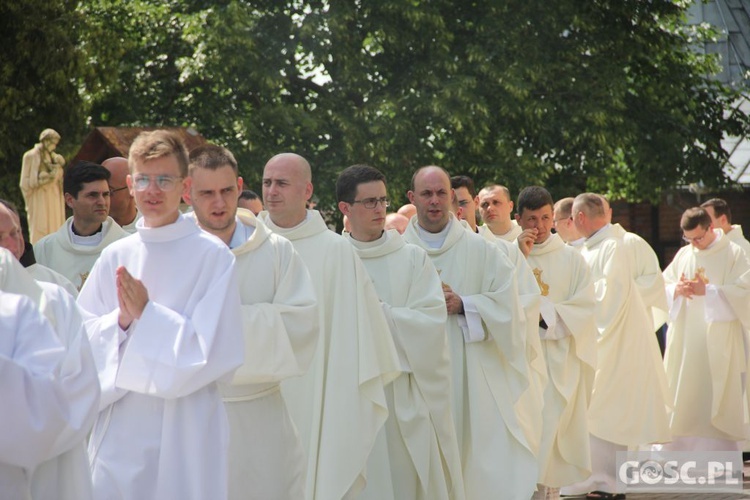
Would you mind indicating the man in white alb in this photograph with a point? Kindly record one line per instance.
(708, 287)
(416, 455)
(487, 343)
(721, 218)
(630, 399)
(339, 405)
(73, 249)
(279, 321)
(165, 327)
(568, 332)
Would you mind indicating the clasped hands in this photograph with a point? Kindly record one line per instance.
(688, 288)
(132, 296)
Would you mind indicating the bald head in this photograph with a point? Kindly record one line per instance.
(408, 210)
(432, 195)
(287, 185)
(397, 222)
(122, 204)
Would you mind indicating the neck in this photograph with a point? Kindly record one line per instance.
(434, 230)
(365, 237)
(499, 227)
(126, 218)
(225, 234)
(287, 222)
(80, 228)
(726, 228)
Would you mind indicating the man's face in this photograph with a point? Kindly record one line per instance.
(432, 196)
(213, 195)
(157, 206)
(91, 206)
(254, 205)
(367, 223)
(540, 219)
(120, 198)
(467, 205)
(10, 233)
(494, 205)
(700, 237)
(285, 191)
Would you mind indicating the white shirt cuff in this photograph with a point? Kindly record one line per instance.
(471, 322)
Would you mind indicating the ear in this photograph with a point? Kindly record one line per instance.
(510, 204)
(476, 201)
(186, 196)
(240, 183)
(308, 191)
(187, 182)
(344, 207)
(69, 200)
(518, 218)
(410, 195)
(129, 182)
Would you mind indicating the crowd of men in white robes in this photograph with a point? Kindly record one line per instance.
(229, 352)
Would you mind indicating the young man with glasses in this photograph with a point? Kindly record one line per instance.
(75, 246)
(708, 286)
(165, 327)
(424, 465)
(121, 202)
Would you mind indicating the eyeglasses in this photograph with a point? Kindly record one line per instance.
(113, 191)
(555, 221)
(163, 182)
(696, 239)
(373, 202)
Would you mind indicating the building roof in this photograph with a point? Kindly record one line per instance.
(107, 142)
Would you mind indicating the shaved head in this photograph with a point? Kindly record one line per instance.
(122, 204)
(432, 195)
(397, 222)
(10, 232)
(287, 185)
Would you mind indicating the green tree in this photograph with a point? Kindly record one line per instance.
(603, 95)
(41, 68)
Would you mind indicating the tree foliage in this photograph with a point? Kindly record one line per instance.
(603, 95)
(41, 67)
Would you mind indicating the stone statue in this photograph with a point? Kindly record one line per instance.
(41, 186)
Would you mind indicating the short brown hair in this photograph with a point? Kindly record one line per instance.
(212, 157)
(158, 144)
(694, 217)
(720, 208)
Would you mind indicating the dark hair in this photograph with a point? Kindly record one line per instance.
(211, 157)
(351, 177)
(533, 198)
(81, 173)
(694, 217)
(248, 194)
(458, 181)
(720, 208)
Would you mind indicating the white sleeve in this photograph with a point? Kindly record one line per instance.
(471, 322)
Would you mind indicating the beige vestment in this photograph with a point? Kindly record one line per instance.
(490, 373)
(422, 450)
(74, 261)
(339, 404)
(705, 356)
(569, 345)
